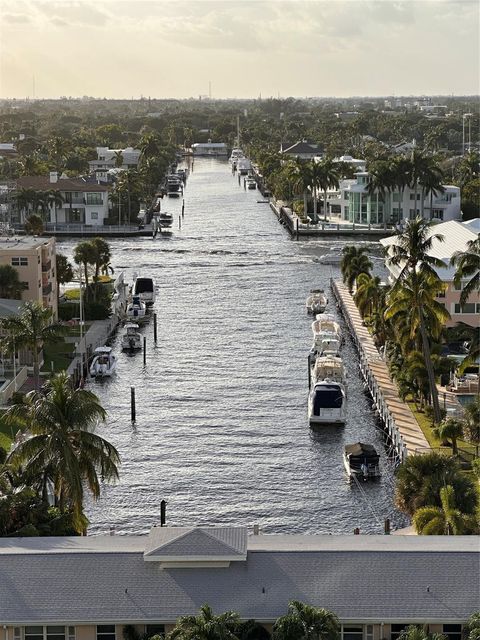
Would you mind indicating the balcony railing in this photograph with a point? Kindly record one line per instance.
(47, 289)
(46, 266)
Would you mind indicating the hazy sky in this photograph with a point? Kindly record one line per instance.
(124, 48)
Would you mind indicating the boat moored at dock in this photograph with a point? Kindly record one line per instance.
(136, 309)
(131, 339)
(144, 288)
(327, 403)
(317, 301)
(361, 461)
(104, 363)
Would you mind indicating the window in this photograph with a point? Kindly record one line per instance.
(369, 632)
(17, 633)
(438, 213)
(94, 215)
(452, 631)
(22, 261)
(469, 307)
(33, 633)
(352, 632)
(55, 633)
(396, 630)
(94, 198)
(154, 630)
(105, 632)
(71, 633)
(39, 284)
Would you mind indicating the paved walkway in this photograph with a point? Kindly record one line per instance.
(394, 412)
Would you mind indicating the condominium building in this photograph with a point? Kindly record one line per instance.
(456, 237)
(35, 261)
(89, 588)
(359, 206)
(81, 202)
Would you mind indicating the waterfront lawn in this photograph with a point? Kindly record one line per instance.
(58, 353)
(425, 424)
(7, 434)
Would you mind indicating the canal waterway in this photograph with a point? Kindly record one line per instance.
(222, 432)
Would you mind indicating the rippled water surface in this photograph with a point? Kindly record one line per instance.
(222, 430)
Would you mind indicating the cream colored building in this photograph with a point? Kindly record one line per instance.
(35, 260)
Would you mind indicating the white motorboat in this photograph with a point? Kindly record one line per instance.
(328, 368)
(250, 183)
(331, 258)
(326, 326)
(243, 166)
(131, 339)
(317, 301)
(361, 461)
(136, 309)
(327, 403)
(104, 363)
(165, 219)
(236, 154)
(144, 288)
(174, 186)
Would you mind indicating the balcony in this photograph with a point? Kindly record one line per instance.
(46, 266)
(47, 289)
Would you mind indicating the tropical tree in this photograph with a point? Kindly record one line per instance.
(10, 285)
(54, 200)
(101, 256)
(468, 266)
(118, 155)
(305, 622)
(471, 422)
(420, 478)
(411, 253)
(354, 262)
(58, 424)
(34, 225)
(368, 293)
(328, 178)
(380, 181)
(31, 329)
(400, 170)
(415, 632)
(206, 626)
(23, 198)
(430, 181)
(251, 630)
(450, 429)
(150, 145)
(64, 271)
(471, 631)
(445, 520)
(85, 254)
(301, 180)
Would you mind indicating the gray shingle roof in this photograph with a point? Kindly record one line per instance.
(361, 578)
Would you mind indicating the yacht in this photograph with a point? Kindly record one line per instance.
(104, 363)
(131, 339)
(236, 154)
(317, 301)
(243, 166)
(361, 461)
(174, 186)
(250, 183)
(144, 288)
(331, 258)
(136, 309)
(328, 368)
(327, 403)
(328, 325)
(165, 219)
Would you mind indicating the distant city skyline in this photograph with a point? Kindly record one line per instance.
(133, 48)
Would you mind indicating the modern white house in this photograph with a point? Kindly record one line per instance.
(210, 148)
(107, 158)
(90, 588)
(82, 202)
(456, 237)
(355, 204)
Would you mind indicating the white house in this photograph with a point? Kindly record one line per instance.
(357, 205)
(456, 235)
(210, 148)
(82, 202)
(303, 150)
(106, 158)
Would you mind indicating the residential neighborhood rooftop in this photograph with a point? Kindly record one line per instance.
(44, 183)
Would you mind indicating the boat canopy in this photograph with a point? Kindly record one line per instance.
(327, 396)
(131, 325)
(362, 450)
(101, 350)
(143, 285)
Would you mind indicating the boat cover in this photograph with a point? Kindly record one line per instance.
(361, 450)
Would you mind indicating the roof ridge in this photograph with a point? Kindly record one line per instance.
(213, 537)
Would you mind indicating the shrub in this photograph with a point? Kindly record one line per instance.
(67, 311)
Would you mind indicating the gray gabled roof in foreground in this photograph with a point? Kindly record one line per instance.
(361, 578)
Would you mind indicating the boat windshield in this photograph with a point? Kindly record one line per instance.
(143, 285)
(327, 397)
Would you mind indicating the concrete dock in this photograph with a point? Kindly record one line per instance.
(403, 429)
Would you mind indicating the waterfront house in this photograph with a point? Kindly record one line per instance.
(357, 205)
(210, 148)
(457, 235)
(89, 588)
(82, 202)
(302, 150)
(107, 158)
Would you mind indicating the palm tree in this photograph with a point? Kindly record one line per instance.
(430, 181)
(84, 254)
(23, 199)
(118, 155)
(471, 631)
(445, 520)
(34, 225)
(420, 478)
(415, 632)
(149, 145)
(31, 329)
(368, 293)
(54, 200)
(58, 424)
(64, 271)
(400, 168)
(411, 253)
(304, 622)
(471, 424)
(468, 264)
(354, 262)
(450, 429)
(206, 626)
(328, 179)
(380, 180)
(301, 180)
(10, 285)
